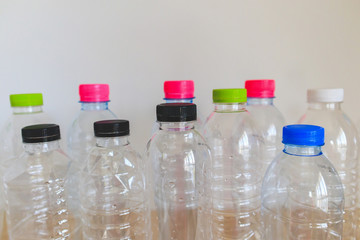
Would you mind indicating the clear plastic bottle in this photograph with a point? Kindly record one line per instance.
(235, 168)
(36, 188)
(94, 99)
(176, 153)
(26, 110)
(114, 201)
(302, 194)
(267, 118)
(341, 147)
(179, 91)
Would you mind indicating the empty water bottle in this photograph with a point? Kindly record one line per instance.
(26, 110)
(36, 188)
(94, 99)
(267, 118)
(176, 153)
(114, 201)
(235, 169)
(341, 147)
(302, 195)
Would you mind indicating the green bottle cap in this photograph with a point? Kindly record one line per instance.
(232, 95)
(26, 100)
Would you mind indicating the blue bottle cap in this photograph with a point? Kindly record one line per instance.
(302, 134)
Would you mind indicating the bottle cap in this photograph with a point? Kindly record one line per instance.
(325, 95)
(264, 88)
(94, 92)
(179, 89)
(233, 95)
(111, 128)
(302, 134)
(26, 100)
(176, 112)
(40, 133)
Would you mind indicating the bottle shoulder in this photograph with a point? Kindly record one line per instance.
(177, 142)
(270, 114)
(237, 126)
(228, 119)
(339, 130)
(299, 182)
(327, 118)
(301, 168)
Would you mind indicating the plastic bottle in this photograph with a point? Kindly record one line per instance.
(94, 99)
(114, 200)
(236, 168)
(267, 118)
(26, 110)
(341, 147)
(302, 195)
(176, 153)
(36, 188)
(179, 91)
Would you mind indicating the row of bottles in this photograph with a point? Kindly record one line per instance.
(197, 180)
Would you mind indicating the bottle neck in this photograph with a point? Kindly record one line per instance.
(109, 142)
(324, 106)
(94, 106)
(177, 126)
(302, 150)
(179, 100)
(260, 101)
(41, 147)
(230, 107)
(27, 110)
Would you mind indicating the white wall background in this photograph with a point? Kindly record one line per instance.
(53, 46)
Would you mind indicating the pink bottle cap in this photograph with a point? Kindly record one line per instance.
(179, 89)
(263, 88)
(94, 92)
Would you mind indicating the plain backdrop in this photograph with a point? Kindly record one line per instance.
(53, 46)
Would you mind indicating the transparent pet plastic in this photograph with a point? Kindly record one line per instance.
(302, 196)
(268, 122)
(235, 174)
(176, 153)
(12, 146)
(114, 195)
(342, 149)
(81, 133)
(36, 193)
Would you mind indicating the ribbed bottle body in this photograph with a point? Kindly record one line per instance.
(176, 153)
(342, 149)
(36, 191)
(236, 173)
(302, 197)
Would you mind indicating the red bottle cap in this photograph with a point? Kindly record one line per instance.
(264, 88)
(179, 89)
(94, 92)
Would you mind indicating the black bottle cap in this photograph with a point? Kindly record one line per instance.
(176, 112)
(40, 133)
(111, 128)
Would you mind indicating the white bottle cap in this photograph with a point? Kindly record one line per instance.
(325, 95)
